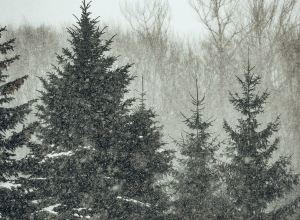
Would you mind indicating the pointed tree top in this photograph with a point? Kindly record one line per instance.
(248, 58)
(85, 6)
(142, 94)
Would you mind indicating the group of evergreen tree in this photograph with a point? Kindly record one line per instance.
(98, 157)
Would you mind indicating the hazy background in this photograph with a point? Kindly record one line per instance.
(171, 47)
(59, 12)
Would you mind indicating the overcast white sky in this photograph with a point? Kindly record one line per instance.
(59, 12)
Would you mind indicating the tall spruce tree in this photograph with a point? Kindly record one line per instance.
(83, 123)
(196, 183)
(14, 198)
(144, 165)
(253, 181)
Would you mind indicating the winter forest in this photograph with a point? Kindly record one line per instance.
(104, 122)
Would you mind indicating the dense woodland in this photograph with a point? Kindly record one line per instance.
(108, 122)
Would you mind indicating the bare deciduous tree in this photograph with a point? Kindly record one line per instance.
(150, 20)
(222, 20)
(271, 23)
(225, 26)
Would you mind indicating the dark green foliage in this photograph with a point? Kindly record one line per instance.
(143, 163)
(14, 201)
(109, 163)
(197, 182)
(83, 117)
(253, 181)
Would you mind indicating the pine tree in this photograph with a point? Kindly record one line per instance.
(144, 165)
(196, 183)
(253, 181)
(83, 119)
(14, 198)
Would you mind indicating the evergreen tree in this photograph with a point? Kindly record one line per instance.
(83, 119)
(144, 165)
(252, 180)
(14, 198)
(196, 183)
